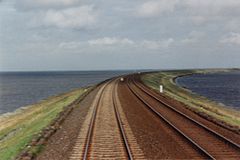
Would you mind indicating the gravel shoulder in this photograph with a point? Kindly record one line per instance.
(223, 116)
(155, 138)
(60, 145)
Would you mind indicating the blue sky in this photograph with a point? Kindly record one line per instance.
(108, 34)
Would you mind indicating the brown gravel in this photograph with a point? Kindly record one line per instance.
(156, 139)
(153, 138)
(106, 139)
(136, 151)
(204, 120)
(59, 146)
(204, 138)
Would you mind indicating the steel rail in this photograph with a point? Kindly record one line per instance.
(91, 126)
(92, 122)
(191, 119)
(202, 150)
(120, 125)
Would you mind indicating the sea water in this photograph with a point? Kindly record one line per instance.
(19, 89)
(221, 87)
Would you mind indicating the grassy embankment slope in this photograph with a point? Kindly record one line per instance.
(18, 129)
(196, 102)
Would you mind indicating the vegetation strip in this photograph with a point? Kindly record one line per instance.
(28, 130)
(226, 117)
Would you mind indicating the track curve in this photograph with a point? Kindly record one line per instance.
(199, 135)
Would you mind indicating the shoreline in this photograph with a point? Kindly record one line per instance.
(27, 128)
(26, 107)
(192, 92)
(24, 119)
(22, 109)
(223, 115)
(24, 133)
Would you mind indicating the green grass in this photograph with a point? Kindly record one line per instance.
(17, 130)
(196, 102)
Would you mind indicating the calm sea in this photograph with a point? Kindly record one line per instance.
(19, 89)
(220, 87)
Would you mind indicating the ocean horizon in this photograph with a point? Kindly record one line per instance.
(19, 89)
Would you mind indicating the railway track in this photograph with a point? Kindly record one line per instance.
(106, 138)
(208, 142)
(120, 125)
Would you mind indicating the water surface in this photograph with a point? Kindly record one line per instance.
(220, 87)
(19, 89)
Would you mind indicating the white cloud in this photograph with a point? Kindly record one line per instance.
(34, 4)
(157, 44)
(111, 41)
(198, 20)
(232, 38)
(114, 43)
(196, 7)
(193, 37)
(198, 11)
(70, 45)
(155, 8)
(76, 17)
(147, 44)
(233, 25)
(212, 7)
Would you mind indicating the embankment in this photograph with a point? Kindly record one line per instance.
(224, 116)
(26, 130)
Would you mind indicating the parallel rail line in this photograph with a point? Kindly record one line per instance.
(119, 122)
(90, 130)
(120, 125)
(200, 124)
(193, 142)
(203, 151)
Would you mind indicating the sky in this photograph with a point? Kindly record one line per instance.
(38, 35)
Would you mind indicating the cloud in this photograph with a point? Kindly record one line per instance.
(157, 44)
(212, 7)
(155, 8)
(198, 11)
(145, 44)
(74, 18)
(70, 45)
(201, 12)
(193, 37)
(232, 38)
(68, 14)
(36, 4)
(233, 25)
(96, 44)
(111, 41)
